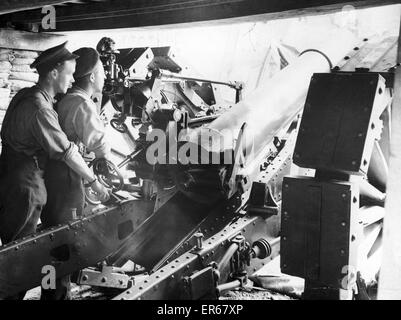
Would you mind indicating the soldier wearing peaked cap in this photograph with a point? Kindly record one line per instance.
(31, 135)
(80, 120)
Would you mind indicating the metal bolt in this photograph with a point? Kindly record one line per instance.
(199, 240)
(85, 278)
(343, 224)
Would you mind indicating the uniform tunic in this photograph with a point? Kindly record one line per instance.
(80, 121)
(30, 136)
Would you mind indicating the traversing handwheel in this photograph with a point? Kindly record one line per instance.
(107, 174)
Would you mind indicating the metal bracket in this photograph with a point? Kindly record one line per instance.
(201, 284)
(106, 278)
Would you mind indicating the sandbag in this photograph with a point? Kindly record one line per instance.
(22, 68)
(21, 61)
(26, 54)
(4, 75)
(6, 57)
(26, 76)
(4, 83)
(5, 66)
(4, 79)
(16, 85)
(4, 92)
(5, 50)
(4, 103)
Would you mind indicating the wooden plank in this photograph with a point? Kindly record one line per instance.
(29, 40)
(139, 13)
(8, 6)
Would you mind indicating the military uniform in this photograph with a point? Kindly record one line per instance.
(31, 135)
(79, 119)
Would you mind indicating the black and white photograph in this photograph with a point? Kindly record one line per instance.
(218, 152)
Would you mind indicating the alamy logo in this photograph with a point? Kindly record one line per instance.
(197, 147)
(349, 280)
(49, 279)
(49, 20)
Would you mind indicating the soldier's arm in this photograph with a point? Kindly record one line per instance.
(90, 130)
(48, 133)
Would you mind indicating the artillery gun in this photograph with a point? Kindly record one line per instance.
(208, 217)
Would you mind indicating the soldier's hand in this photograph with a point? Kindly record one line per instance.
(101, 190)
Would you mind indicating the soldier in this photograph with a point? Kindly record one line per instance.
(80, 120)
(31, 135)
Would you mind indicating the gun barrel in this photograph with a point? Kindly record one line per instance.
(277, 101)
